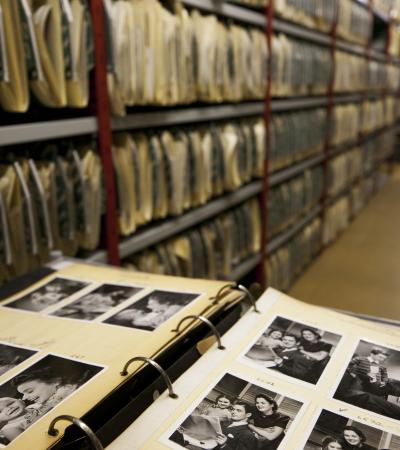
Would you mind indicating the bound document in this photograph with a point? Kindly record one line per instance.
(66, 339)
(293, 376)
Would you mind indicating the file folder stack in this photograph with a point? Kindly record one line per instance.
(346, 123)
(344, 169)
(47, 45)
(164, 173)
(211, 250)
(290, 259)
(296, 135)
(299, 68)
(160, 55)
(312, 14)
(354, 22)
(49, 200)
(290, 200)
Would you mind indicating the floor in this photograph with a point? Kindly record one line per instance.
(360, 272)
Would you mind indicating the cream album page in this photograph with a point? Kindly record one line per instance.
(295, 376)
(65, 340)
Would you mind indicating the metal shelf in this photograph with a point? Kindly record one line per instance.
(287, 104)
(285, 236)
(153, 234)
(244, 268)
(350, 47)
(187, 115)
(236, 12)
(298, 31)
(40, 131)
(296, 169)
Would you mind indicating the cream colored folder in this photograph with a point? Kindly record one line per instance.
(83, 323)
(14, 91)
(77, 83)
(51, 90)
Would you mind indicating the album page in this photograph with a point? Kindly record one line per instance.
(295, 376)
(65, 340)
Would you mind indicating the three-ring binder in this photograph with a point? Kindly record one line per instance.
(207, 322)
(52, 431)
(157, 366)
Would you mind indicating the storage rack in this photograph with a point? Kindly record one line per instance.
(102, 124)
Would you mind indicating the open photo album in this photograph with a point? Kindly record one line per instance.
(65, 338)
(292, 377)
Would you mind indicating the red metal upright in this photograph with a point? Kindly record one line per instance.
(261, 272)
(102, 109)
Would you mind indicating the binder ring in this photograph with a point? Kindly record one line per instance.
(217, 298)
(207, 322)
(157, 366)
(250, 296)
(94, 440)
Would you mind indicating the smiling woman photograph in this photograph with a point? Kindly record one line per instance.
(354, 438)
(30, 395)
(267, 423)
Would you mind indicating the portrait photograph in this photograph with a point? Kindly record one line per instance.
(151, 311)
(335, 432)
(237, 414)
(28, 396)
(97, 302)
(48, 294)
(372, 380)
(293, 349)
(11, 356)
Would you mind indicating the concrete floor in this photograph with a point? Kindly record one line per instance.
(360, 272)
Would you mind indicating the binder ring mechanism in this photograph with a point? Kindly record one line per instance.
(240, 287)
(52, 431)
(207, 322)
(157, 366)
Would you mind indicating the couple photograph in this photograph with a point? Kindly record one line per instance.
(294, 349)
(238, 415)
(28, 396)
(335, 432)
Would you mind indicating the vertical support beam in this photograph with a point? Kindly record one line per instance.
(261, 272)
(102, 110)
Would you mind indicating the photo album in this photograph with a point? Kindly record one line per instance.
(292, 377)
(65, 339)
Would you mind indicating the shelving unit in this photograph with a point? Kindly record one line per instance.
(288, 234)
(102, 124)
(158, 232)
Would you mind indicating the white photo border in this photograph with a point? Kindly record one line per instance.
(242, 359)
(164, 438)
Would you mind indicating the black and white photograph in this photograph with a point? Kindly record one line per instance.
(372, 380)
(27, 397)
(97, 302)
(237, 414)
(335, 432)
(294, 349)
(48, 294)
(151, 311)
(11, 356)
